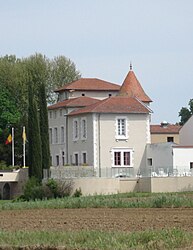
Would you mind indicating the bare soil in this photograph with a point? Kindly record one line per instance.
(128, 220)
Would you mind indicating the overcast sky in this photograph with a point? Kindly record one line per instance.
(102, 36)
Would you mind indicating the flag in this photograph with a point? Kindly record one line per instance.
(24, 135)
(9, 139)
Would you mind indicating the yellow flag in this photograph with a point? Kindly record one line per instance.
(24, 135)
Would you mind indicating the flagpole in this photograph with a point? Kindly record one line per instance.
(12, 130)
(24, 138)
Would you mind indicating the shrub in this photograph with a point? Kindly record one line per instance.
(77, 193)
(51, 189)
(33, 190)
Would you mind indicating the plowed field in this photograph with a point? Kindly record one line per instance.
(97, 219)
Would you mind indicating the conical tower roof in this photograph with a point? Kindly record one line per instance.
(132, 88)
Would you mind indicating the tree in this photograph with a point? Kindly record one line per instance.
(15, 76)
(62, 71)
(34, 139)
(186, 113)
(44, 128)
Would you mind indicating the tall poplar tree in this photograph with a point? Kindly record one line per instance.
(43, 114)
(34, 139)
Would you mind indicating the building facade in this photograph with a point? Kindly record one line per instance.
(101, 124)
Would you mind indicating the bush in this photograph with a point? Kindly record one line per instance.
(78, 193)
(51, 189)
(33, 190)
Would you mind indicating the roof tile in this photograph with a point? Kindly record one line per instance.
(132, 88)
(82, 101)
(116, 104)
(90, 84)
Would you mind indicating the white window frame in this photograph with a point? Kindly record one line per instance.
(75, 129)
(119, 128)
(83, 128)
(122, 151)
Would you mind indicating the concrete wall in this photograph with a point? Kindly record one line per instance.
(162, 158)
(182, 157)
(91, 186)
(16, 185)
(137, 132)
(80, 145)
(172, 184)
(158, 138)
(94, 94)
(186, 133)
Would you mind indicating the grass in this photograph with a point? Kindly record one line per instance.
(163, 239)
(127, 200)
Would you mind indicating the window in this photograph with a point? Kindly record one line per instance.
(57, 160)
(62, 134)
(121, 128)
(191, 165)
(84, 158)
(50, 114)
(50, 135)
(126, 156)
(55, 114)
(60, 112)
(63, 158)
(56, 135)
(75, 129)
(76, 159)
(117, 158)
(170, 139)
(149, 161)
(122, 157)
(83, 128)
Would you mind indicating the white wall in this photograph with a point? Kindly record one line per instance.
(162, 158)
(182, 158)
(186, 133)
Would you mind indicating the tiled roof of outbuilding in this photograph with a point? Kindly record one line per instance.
(116, 104)
(90, 84)
(82, 101)
(132, 88)
(169, 129)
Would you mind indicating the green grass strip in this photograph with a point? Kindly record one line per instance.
(164, 239)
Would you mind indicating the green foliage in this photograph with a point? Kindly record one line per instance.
(43, 115)
(88, 239)
(78, 192)
(34, 190)
(15, 77)
(34, 139)
(186, 113)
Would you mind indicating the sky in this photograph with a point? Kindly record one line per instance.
(102, 37)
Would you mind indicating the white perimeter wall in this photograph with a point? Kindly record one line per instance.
(182, 158)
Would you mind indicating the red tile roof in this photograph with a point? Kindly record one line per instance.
(82, 101)
(169, 129)
(90, 84)
(132, 88)
(117, 104)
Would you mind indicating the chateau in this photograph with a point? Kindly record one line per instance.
(100, 124)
